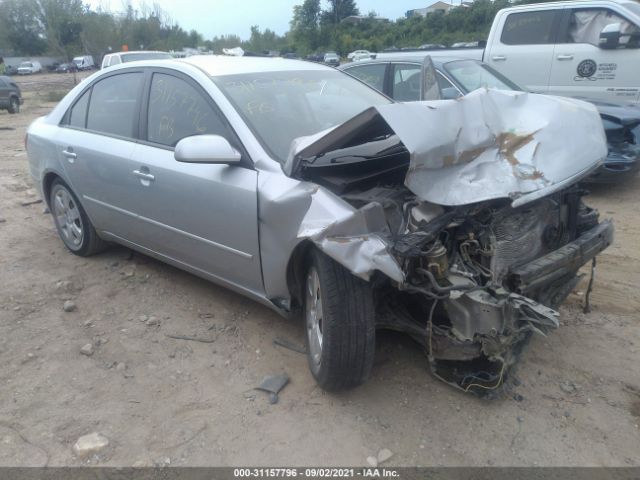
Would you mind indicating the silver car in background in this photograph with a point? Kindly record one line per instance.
(308, 191)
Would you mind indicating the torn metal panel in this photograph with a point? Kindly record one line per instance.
(360, 242)
(489, 144)
(292, 212)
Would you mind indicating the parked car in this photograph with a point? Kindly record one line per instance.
(315, 57)
(84, 62)
(332, 59)
(66, 68)
(318, 196)
(10, 95)
(401, 77)
(10, 70)
(358, 55)
(52, 67)
(112, 59)
(577, 48)
(29, 68)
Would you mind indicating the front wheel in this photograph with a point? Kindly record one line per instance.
(340, 324)
(14, 105)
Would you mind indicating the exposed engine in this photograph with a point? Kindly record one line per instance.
(465, 298)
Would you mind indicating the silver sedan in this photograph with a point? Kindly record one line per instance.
(310, 192)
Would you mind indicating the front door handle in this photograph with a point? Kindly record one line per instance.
(565, 57)
(144, 175)
(69, 154)
(499, 58)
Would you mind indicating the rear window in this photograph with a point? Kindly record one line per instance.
(113, 107)
(530, 28)
(370, 74)
(78, 113)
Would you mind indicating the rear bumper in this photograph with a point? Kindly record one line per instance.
(564, 261)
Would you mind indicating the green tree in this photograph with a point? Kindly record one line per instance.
(339, 10)
(19, 22)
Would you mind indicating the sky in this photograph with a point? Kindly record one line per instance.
(224, 17)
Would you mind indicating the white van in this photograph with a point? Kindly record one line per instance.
(84, 62)
(29, 67)
(112, 59)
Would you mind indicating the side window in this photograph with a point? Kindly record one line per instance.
(370, 74)
(406, 82)
(530, 28)
(586, 24)
(2, 83)
(443, 82)
(114, 105)
(177, 110)
(115, 60)
(78, 114)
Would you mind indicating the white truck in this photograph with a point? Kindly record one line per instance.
(579, 48)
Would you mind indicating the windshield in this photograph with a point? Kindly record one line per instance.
(134, 57)
(282, 106)
(472, 75)
(634, 7)
(26, 64)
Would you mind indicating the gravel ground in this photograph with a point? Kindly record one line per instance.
(107, 366)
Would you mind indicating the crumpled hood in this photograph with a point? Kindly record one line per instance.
(489, 144)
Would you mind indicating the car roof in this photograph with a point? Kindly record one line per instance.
(218, 65)
(566, 3)
(438, 61)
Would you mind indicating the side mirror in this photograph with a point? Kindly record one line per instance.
(206, 149)
(450, 93)
(610, 36)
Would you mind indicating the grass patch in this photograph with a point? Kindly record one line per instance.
(55, 95)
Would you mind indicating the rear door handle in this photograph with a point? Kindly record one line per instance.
(565, 57)
(144, 175)
(499, 58)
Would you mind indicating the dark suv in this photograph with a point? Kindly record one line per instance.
(10, 96)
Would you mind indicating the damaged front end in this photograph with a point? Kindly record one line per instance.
(467, 220)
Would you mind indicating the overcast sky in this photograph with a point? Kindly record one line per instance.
(218, 17)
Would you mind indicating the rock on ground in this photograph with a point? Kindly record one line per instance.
(90, 444)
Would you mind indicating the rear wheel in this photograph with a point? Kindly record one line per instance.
(73, 225)
(340, 324)
(14, 105)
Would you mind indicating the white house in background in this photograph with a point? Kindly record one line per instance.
(443, 7)
(433, 8)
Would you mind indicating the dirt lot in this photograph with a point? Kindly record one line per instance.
(163, 401)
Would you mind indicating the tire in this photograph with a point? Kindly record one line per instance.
(340, 324)
(73, 225)
(14, 105)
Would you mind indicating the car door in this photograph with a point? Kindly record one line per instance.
(95, 145)
(581, 68)
(202, 216)
(525, 48)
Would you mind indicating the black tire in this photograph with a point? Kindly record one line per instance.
(346, 349)
(14, 105)
(88, 242)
